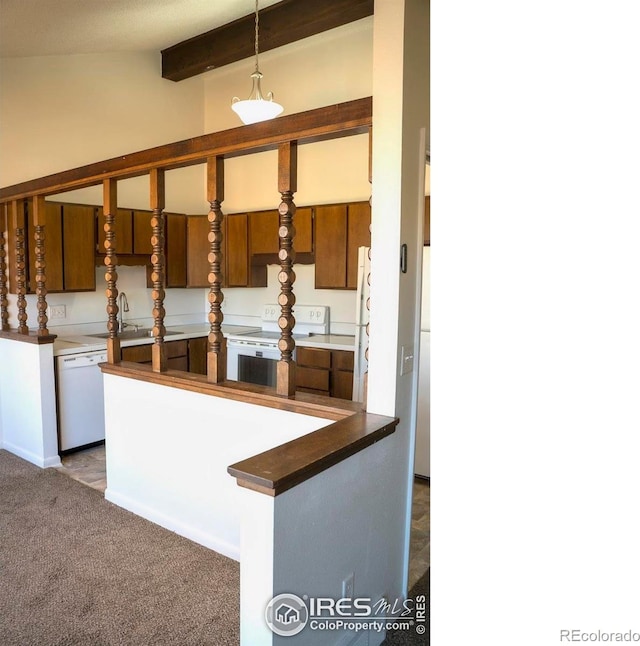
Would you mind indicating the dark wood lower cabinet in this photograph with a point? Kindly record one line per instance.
(198, 355)
(177, 354)
(189, 355)
(325, 372)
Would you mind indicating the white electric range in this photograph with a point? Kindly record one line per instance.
(253, 356)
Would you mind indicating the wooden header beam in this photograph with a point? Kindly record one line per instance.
(330, 122)
(280, 24)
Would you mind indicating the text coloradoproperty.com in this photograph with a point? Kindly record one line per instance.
(578, 635)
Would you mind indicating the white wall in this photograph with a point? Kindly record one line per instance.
(400, 108)
(168, 451)
(356, 499)
(28, 409)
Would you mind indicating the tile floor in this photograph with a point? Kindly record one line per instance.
(89, 467)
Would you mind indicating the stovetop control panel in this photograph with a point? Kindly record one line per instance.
(310, 319)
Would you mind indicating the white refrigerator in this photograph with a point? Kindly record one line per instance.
(423, 426)
(360, 366)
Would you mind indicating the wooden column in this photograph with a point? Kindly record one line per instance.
(4, 290)
(39, 221)
(287, 185)
(158, 351)
(17, 214)
(110, 208)
(217, 353)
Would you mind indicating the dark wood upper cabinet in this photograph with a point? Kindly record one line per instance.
(53, 249)
(237, 250)
(338, 232)
(358, 235)
(263, 232)
(78, 243)
(198, 246)
(264, 238)
(123, 230)
(427, 220)
(330, 225)
(142, 233)
(303, 222)
(176, 249)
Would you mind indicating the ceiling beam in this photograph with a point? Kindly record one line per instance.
(280, 24)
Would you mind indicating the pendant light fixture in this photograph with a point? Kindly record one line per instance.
(256, 107)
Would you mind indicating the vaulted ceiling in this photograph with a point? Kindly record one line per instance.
(193, 35)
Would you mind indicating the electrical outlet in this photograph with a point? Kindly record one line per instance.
(58, 312)
(347, 587)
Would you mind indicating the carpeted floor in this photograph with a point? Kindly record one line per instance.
(63, 553)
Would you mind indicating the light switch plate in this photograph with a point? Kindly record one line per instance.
(406, 359)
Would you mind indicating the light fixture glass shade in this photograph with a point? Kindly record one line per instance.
(256, 108)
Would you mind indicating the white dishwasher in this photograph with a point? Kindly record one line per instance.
(80, 397)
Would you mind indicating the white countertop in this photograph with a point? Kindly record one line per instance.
(74, 344)
(328, 342)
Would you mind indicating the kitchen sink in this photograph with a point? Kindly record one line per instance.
(140, 333)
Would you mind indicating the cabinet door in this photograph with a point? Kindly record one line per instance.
(79, 243)
(263, 232)
(52, 249)
(137, 353)
(313, 357)
(359, 219)
(237, 250)
(342, 374)
(142, 233)
(330, 224)
(197, 251)
(124, 231)
(342, 384)
(176, 250)
(303, 221)
(427, 219)
(198, 355)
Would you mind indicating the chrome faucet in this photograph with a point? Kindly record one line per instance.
(123, 306)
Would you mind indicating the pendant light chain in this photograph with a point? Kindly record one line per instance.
(257, 20)
(257, 107)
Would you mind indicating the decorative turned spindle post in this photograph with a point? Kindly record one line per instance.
(39, 221)
(287, 185)
(158, 351)
(17, 213)
(109, 208)
(4, 303)
(217, 353)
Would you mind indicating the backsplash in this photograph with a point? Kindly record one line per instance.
(86, 311)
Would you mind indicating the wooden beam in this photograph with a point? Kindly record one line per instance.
(280, 24)
(330, 122)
